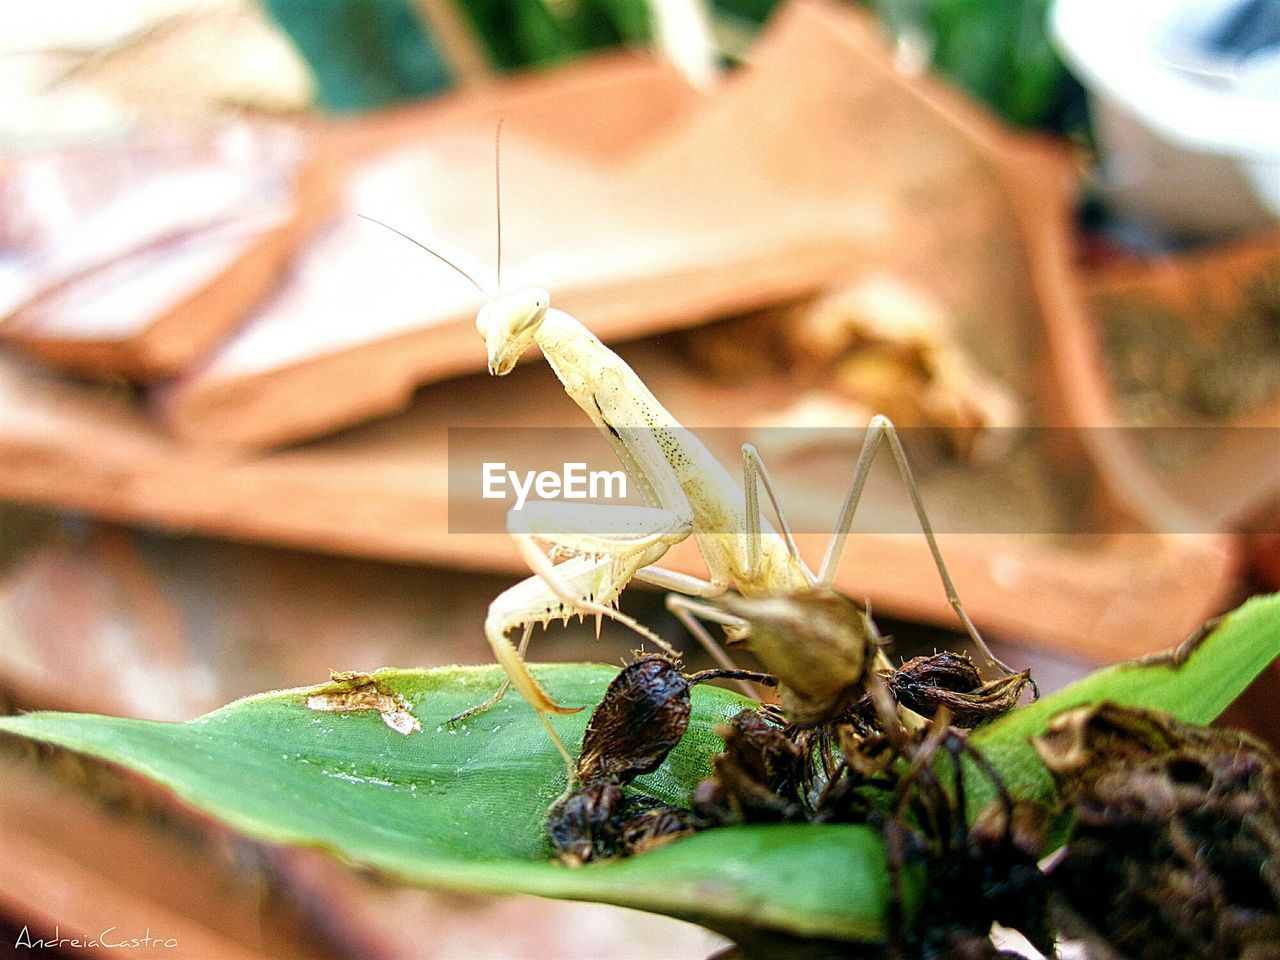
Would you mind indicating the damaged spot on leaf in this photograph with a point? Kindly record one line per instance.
(349, 691)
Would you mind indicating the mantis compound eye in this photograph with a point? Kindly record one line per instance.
(526, 311)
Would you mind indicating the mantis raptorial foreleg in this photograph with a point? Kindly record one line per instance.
(639, 536)
(605, 547)
(532, 601)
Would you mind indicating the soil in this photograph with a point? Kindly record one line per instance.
(1201, 366)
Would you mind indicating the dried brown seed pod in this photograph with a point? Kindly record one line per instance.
(586, 825)
(598, 821)
(644, 714)
(925, 684)
(758, 778)
(650, 824)
(1175, 851)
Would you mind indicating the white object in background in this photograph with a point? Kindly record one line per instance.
(682, 33)
(1190, 140)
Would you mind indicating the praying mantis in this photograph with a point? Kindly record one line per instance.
(687, 492)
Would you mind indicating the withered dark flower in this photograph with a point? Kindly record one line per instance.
(585, 825)
(1175, 851)
(976, 873)
(649, 823)
(759, 776)
(643, 715)
(599, 821)
(925, 684)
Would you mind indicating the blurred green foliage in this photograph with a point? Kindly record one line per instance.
(520, 33)
(997, 50)
(363, 53)
(367, 53)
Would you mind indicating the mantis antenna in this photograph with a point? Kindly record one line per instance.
(439, 256)
(497, 192)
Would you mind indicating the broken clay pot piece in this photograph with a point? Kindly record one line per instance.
(136, 258)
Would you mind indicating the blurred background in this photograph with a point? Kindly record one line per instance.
(1042, 236)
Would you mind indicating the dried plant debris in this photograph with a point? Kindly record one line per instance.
(820, 646)
(349, 691)
(880, 345)
(773, 767)
(925, 685)
(1175, 851)
(643, 715)
(599, 821)
(975, 874)
(1204, 366)
(759, 778)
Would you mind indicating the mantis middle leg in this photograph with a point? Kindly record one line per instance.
(882, 428)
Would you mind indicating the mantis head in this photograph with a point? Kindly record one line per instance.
(509, 325)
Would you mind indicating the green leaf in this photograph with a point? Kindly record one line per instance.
(1216, 670)
(465, 809)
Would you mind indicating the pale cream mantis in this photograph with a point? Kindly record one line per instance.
(687, 492)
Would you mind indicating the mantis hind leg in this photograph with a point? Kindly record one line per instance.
(881, 428)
